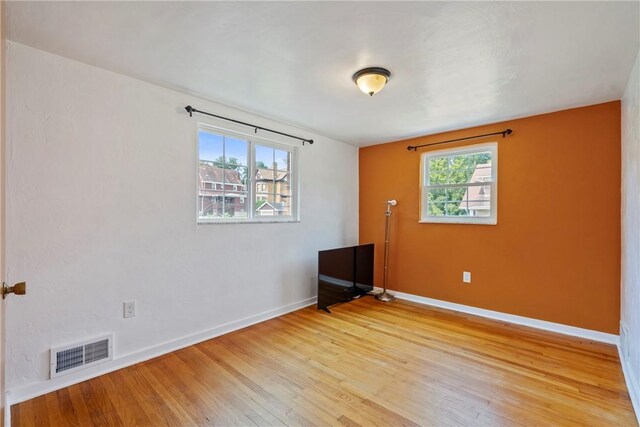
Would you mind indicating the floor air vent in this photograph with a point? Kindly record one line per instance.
(71, 358)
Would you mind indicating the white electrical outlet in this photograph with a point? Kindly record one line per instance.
(466, 276)
(129, 309)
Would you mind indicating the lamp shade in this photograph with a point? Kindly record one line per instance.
(371, 80)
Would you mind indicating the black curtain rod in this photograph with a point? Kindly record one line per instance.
(504, 134)
(192, 110)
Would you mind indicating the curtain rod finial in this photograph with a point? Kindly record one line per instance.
(507, 132)
(189, 109)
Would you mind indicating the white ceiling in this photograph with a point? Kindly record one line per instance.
(453, 64)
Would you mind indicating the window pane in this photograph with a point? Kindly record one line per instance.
(479, 192)
(283, 183)
(236, 204)
(437, 195)
(455, 194)
(265, 186)
(438, 171)
(481, 172)
(478, 159)
(243, 175)
(460, 201)
(283, 160)
(266, 205)
(455, 209)
(456, 201)
(210, 146)
(235, 192)
(222, 185)
(436, 198)
(283, 204)
(264, 157)
(210, 191)
(479, 208)
(235, 151)
(459, 169)
(476, 200)
(436, 209)
(209, 206)
(480, 200)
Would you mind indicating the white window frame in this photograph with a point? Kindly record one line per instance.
(252, 140)
(449, 152)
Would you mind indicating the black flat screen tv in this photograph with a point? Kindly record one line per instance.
(344, 273)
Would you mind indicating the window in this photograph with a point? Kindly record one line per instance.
(459, 185)
(242, 167)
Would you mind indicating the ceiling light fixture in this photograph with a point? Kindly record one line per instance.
(371, 80)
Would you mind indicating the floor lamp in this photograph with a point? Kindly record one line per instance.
(385, 296)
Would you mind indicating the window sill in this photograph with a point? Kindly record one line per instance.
(489, 221)
(253, 221)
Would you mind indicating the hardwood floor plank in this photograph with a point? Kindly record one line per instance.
(155, 402)
(79, 405)
(367, 363)
(66, 408)
(128, 409)
(54, 410)
(102, 412)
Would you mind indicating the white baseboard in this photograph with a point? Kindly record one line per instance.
(38, 389)
(512, 318)
(632, 382)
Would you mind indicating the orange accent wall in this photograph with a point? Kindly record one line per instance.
(554, 254)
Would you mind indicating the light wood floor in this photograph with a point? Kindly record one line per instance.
(368, 363)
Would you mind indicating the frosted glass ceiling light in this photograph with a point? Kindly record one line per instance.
(371, 80)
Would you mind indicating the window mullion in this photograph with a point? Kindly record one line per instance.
(224, 175)
(251, 191)
(273, 181)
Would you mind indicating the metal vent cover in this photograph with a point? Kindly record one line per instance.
(71, 358)
(96, 351)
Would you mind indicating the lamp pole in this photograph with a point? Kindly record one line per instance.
(385, 296)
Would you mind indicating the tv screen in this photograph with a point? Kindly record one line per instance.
(364, 268)
(335, 266)
(344, 273)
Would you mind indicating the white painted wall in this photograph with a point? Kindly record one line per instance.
(101, 209)
(630, 297)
